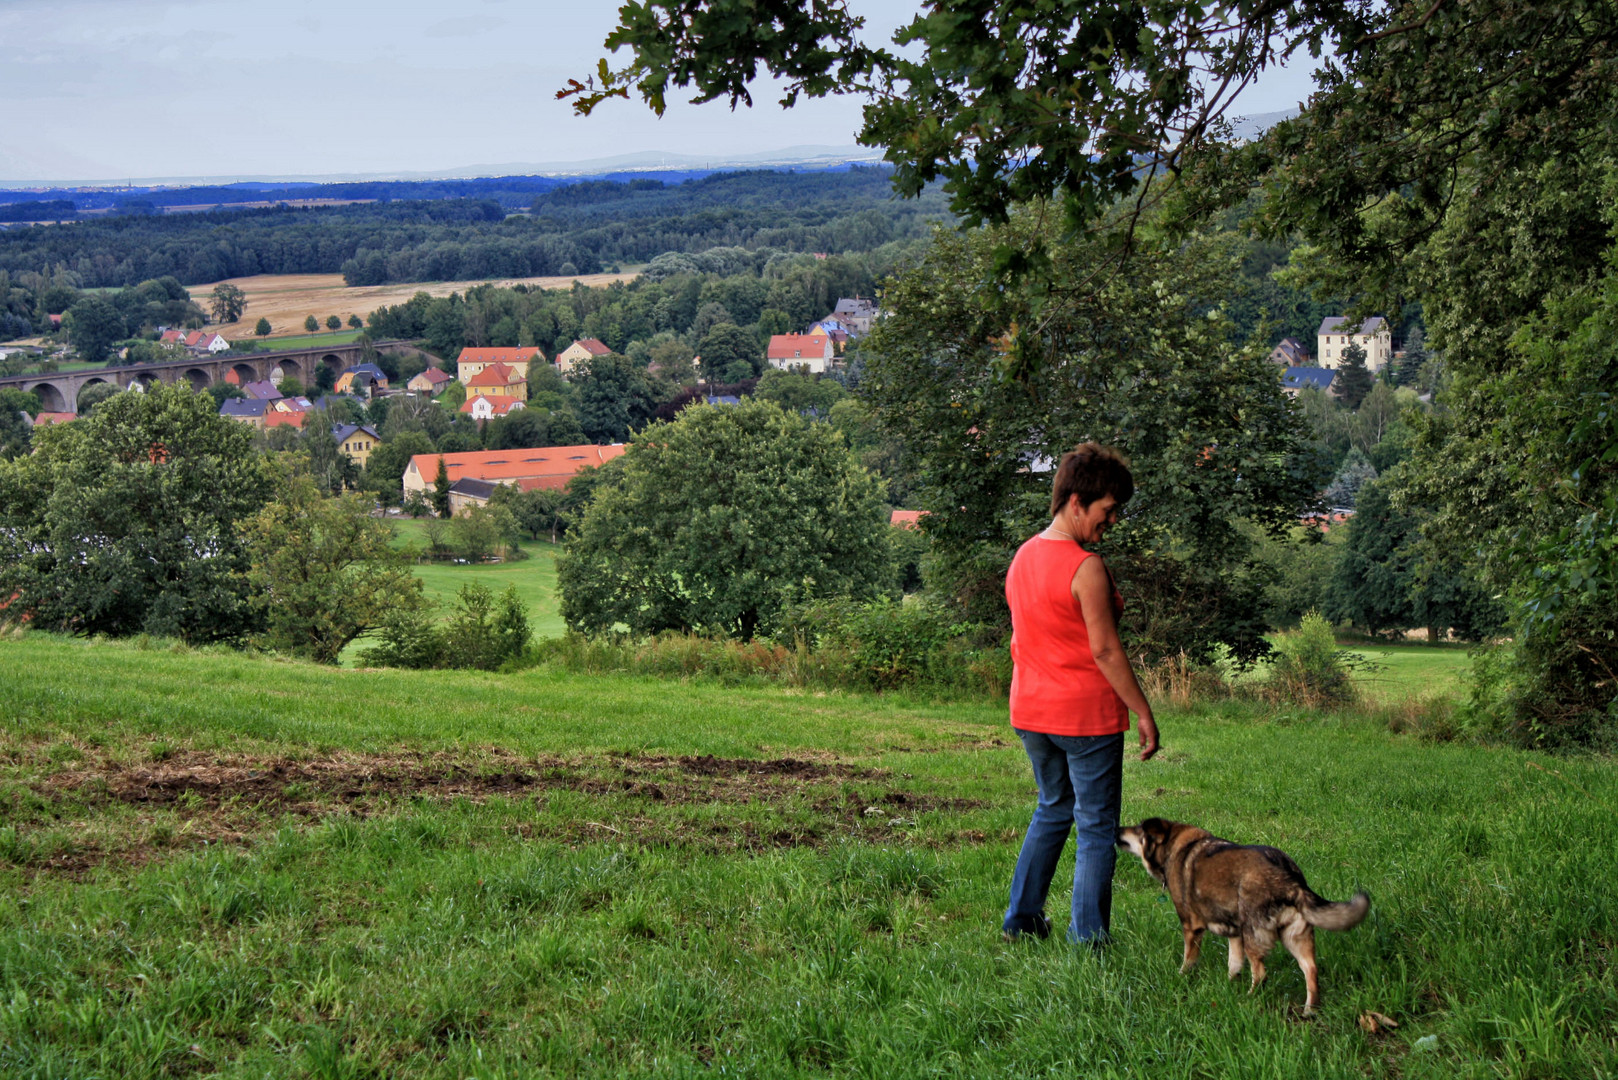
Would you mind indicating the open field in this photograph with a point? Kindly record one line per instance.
(287, 299)
(1405, 671)
(535, 577)
(226, 865)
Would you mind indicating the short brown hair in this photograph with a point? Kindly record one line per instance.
(1090, 471)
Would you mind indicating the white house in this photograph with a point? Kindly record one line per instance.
(1374, 336)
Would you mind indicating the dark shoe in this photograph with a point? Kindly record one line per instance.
(1039, 926)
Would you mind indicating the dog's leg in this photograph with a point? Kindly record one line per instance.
(1193, 945)
(1255, 948)
(1299, 938)
(1236, 958)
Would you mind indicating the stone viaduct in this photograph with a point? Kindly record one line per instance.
(59, 391)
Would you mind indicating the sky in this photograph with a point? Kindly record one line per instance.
(119, 90)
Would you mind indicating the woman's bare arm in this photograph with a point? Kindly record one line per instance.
(1093, 589)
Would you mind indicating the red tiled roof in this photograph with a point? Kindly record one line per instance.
(503, 354)
(435, 376)
(594, 345)
(44, 418)
(499, 405)
(283, 419)
(495, 375)
(906, 519)
(798, 346)
(535, 465)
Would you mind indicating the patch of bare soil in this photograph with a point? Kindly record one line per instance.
(229, 798)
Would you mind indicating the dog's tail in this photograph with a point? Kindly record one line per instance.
(1330, 916)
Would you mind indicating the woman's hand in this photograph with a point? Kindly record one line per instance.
(1148, 736)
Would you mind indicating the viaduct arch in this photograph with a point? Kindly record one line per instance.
(59, 391)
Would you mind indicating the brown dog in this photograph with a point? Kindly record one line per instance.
(1248, 893)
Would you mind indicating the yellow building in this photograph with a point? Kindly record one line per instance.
(498, 381)
(356, 441)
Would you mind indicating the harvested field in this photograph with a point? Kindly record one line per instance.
(287, 299)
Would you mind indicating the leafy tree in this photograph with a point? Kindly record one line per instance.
(718, 521)
(324, 571)
(730, 354)
(334, 322)
(93, 395)
(612, 398)
(386, 465)
(809, 394)
(227, 302)
(329, 468)
(93, 326)
(262, 327)
(533, 427)
(290, 387)
(483, 632)
(453, 397)
(354, 322)
(1353, 377)
(310, 324)
(128, 521)
(222, 392)
(441, 486)
(537, 512)
(1387, 579)
(983, 414)
(481, 531)
(16, 432)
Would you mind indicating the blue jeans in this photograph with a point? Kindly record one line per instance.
(1080, 779)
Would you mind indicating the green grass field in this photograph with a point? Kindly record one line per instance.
(300, 341)
(535, 576)
(224, 865)
(1405, 671)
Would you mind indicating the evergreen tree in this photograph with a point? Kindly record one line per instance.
(1408, 367)
(262, 327)
(1370, 586)
(1354, 379)
(441, 486)
(1355, 473)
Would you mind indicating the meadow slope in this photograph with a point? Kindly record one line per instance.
(228, 865)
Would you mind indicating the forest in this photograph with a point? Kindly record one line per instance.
(579, 229)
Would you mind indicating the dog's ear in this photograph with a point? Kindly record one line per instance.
(1156, 829)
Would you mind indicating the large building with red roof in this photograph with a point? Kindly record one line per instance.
(580, 352)
(518, 357)
(538, 467)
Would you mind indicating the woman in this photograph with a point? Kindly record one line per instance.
(1072, 691)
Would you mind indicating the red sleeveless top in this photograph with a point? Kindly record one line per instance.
(1056, 687)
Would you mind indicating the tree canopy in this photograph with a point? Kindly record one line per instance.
(721, 519)
(128, 521)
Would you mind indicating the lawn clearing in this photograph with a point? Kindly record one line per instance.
(535, 576)
(229, 865)
(1412, 671)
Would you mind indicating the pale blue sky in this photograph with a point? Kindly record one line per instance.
(105, 90)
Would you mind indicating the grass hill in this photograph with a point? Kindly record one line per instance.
(224, 864)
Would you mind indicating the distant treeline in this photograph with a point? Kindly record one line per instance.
(511, 192)
(579, 229)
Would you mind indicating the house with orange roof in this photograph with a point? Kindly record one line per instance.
(432, 381)
(537, 467)
(483, 407)
(46, 419)
(811, 352)
(518, 357)
(906, 519)
(274, 418)
(499, 381)
(578, 353)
